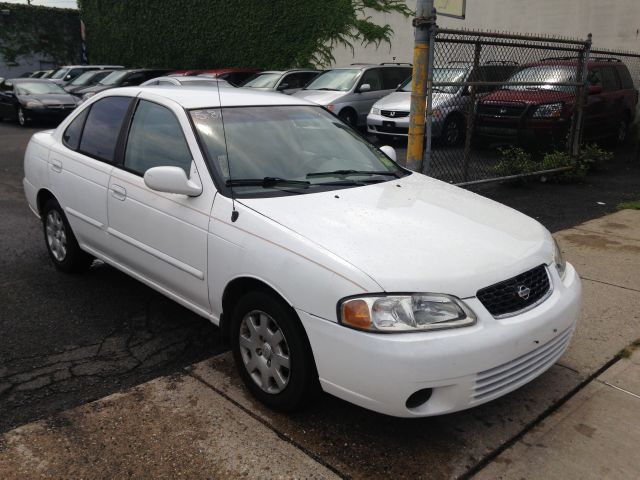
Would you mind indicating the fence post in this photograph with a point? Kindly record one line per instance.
(471, 112)
(423, 22)
(581, 99)
(429, 128)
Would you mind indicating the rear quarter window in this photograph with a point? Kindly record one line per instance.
(625, 77)
(71, 136)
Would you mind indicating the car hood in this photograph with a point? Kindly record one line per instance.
(52, 99)
(94, 89)
(402, 101)
(416, 234)
(530, 97)
(321, 97)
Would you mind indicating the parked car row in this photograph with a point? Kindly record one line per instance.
(530, 104)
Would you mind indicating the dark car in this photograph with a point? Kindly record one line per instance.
(27, 99)
(235, 76)
(285, 81)
(541, 114)
(87, 79)
(121, 78)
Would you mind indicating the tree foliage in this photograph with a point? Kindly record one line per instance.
(53, 33)
(221, 33)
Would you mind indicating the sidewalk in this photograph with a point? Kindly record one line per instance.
(201, 423)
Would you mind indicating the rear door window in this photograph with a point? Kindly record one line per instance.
(71, 136)
(625, 76)
(102, 128)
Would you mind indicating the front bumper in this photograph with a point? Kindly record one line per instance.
(47, 113)
(395, 127)
(465, 367)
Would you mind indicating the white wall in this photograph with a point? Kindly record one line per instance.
(615, 24)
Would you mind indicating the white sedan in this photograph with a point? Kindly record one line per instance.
(324, 262)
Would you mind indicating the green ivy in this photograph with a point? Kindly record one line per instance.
(53, 33)
(223, 33)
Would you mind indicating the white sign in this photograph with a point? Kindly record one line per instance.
(451, 8)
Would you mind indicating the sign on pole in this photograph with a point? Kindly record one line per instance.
(451, 8)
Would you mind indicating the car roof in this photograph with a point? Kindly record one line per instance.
(574, 62)
(194, 97)
(366, 66)
(90, 66)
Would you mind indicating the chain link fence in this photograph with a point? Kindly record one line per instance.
(540, 93)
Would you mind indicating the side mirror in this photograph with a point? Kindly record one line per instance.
(171, 180)
(389, 152)
(365, 87)
(283, 86)
(595, 89)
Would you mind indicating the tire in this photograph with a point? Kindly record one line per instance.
(622, 132)
(349, 116)
(61, 243)
(263, 329)
(452, 131)
(22, 118)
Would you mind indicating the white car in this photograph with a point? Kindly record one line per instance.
(324, 262)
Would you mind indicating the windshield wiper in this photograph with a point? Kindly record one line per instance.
(345, 173)
(324, 88)
(266, 182)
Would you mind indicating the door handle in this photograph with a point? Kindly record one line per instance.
(56, 165)
(118, 192)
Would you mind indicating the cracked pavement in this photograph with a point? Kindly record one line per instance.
(68, 339)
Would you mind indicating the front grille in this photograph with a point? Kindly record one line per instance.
(501, 110)
(394, 113)
(504, 378)
(517, 293)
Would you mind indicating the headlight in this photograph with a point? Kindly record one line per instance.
(375, 111)
(558, 260)
(550, 110)
(405, 313)
(34, 104)
(88, 95)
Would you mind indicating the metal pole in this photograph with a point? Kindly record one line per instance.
(424, 20)
(581, 100)
(429, 132)
(471, 113)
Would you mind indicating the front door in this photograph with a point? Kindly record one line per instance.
(161, 236)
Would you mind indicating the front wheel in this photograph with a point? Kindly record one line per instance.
(453, 131)
(22, 118)
(271, 352)
(349, 116)
(61, 243)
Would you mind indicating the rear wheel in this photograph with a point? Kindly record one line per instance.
(271, 352)
(22, 118)
(622, 132)
(61, 243)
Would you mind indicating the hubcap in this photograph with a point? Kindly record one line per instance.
(56, 235)
(21, 118)
(622, 131)
(453, 133)
(264, 351)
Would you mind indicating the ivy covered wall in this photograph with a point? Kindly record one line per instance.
(49, 33)
(217, 33)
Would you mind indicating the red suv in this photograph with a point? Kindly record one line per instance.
(542, 113)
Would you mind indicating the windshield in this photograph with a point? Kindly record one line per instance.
(113, 78)
(547, 75)
(36, 88)
(263, 80)
(61, 72)
(83, 79)
(280, 150)
(339, 80)
(441, 75)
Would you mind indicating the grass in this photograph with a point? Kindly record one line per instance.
(634, 205)
(628, 351)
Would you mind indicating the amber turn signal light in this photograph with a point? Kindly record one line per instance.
(355, 313)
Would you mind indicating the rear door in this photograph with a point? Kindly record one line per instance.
(161, 237)
(80, 167)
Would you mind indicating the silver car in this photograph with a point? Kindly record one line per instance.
(285, 81)
(64, 75)
(169, 81)
(389, 117)
(349, 92)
